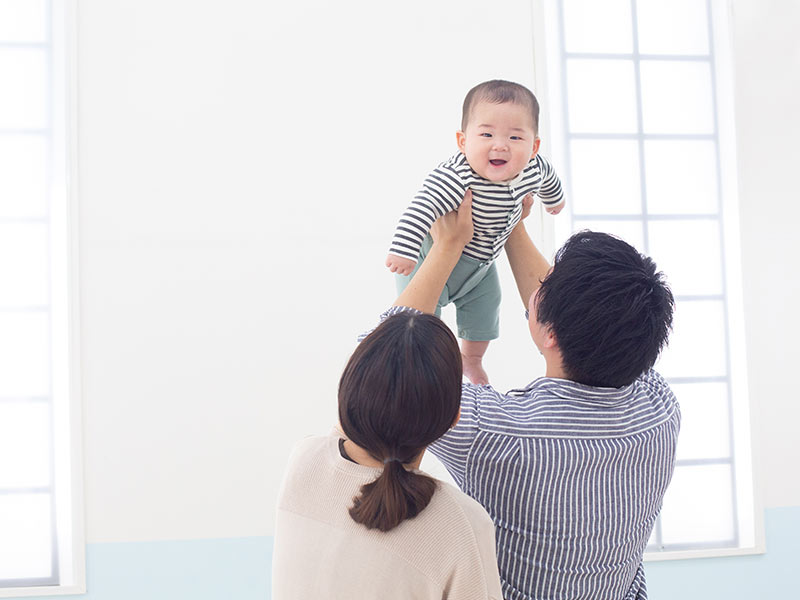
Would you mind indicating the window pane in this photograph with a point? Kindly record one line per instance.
(672, 26)
(22, 102)
(23, 264)
(23, 20)
(23, 160)
(25, 529)
(689, 254)
(705, 428)
(697, 344)
(676, 97)
(599, 189)
(24, 354)
(681, 176)
(651, 543)
(630, 231)
(24, 444)
(582, 34)
(698, 506)
(601, 96)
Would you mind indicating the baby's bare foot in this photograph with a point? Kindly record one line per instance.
(473, 369)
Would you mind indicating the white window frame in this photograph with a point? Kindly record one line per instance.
(69, 576)
(546, 18)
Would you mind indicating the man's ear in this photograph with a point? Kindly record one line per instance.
(461, 141)
(550, 340)
(536, 143)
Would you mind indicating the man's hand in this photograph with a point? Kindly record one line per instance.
(554, 210)
(400, 265)
(527, 203)
(456, 226)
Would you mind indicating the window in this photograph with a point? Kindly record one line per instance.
(637, 97)
(41, 536)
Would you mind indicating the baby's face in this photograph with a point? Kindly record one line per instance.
(499, 140)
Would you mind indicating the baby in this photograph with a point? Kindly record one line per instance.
(498, 160)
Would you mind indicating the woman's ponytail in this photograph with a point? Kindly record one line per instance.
(396, 495)
(400, 391)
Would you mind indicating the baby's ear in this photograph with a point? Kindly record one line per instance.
(536, 143)
(461, 140)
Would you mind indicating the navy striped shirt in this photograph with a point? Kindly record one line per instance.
(573, 477)
(496, 207)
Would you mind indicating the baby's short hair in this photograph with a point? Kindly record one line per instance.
(499, 91)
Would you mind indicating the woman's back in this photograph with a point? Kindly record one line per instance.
(446, 551)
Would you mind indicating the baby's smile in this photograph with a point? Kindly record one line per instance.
(498, 161)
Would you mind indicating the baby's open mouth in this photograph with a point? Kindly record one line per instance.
(498, 161)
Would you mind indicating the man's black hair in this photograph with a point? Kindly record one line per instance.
(608, 307)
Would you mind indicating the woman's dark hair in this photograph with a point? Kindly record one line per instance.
(400, 391)
(610, 310)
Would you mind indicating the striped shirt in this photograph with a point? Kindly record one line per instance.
(573, 477)
(496, 207)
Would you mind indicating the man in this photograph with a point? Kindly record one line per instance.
(573, 467)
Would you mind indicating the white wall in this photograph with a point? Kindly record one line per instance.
(242, 165)
(767, 54)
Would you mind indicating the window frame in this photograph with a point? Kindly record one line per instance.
(547, 16)
(66, 485)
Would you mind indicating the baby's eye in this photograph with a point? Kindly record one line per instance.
(486, 134)
(515, 137)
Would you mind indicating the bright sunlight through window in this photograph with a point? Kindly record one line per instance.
(637, 97)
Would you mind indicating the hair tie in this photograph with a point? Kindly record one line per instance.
(386, 461)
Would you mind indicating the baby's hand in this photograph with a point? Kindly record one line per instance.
(400, 265)
(554, 210)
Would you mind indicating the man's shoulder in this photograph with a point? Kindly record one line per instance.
(478, 395)
(553, 407)
(653, 387)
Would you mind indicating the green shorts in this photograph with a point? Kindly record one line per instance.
(474, 288)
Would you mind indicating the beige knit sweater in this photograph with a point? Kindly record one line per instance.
(447, 551)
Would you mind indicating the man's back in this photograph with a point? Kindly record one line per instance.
(573, 477)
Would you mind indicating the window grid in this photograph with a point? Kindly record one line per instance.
(657, 542)
(47, 134)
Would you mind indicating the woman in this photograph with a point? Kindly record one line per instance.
(356, 518)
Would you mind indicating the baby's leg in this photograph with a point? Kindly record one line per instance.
(478, 318)
(472, 358)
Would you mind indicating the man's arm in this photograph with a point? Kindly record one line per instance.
(450, 234)
(527, 263)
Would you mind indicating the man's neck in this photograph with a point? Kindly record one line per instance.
(554, 366)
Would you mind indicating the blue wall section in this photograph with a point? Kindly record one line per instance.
(770, 575)
(239, 569)
(221, 569)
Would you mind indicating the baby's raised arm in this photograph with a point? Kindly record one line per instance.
(441, 193)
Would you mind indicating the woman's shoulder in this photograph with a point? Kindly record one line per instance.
(309, 448)
(309, 458)
(461, 542)
(461, 512)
